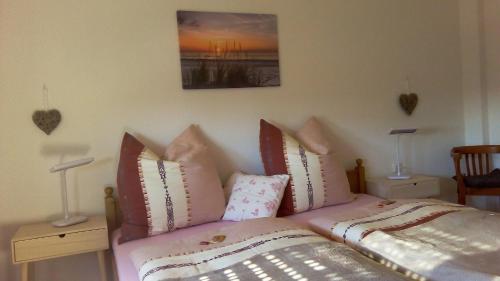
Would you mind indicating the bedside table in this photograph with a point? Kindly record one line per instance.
(416, 187)
(42, 241)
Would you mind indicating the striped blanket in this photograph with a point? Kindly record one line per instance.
(428, 240)
(262, 249)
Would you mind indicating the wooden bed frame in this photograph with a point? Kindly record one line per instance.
(356, 178)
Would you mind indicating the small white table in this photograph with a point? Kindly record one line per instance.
(416, 187)
(42, 241)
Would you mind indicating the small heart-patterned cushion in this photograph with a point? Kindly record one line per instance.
(254, 196)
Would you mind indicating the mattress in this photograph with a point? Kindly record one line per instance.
(125, 266)
(318, 220)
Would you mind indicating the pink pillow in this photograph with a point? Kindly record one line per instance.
(317, 178)
(228, 187)
(158, 196)
(207, 194)
(254, 196)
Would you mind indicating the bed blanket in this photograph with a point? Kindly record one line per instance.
(427, 239)
(261, 249)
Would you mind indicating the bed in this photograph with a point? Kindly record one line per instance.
(260, 249)
(125, 268)
(426, 239)
(423, 239)
(339, 259)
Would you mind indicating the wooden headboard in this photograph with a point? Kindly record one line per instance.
(356, 178)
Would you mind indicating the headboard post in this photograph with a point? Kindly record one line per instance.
(111, 205)
(360, 172)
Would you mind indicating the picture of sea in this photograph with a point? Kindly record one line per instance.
(228, 50)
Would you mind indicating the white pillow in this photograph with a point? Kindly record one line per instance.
(254, 196)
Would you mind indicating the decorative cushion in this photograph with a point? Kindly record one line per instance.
(487, 181)
(317, 178)
(228, 187)
(254, 196)
(158, 196)
(201, 176)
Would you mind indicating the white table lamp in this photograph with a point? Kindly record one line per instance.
(399, 175)
(68, 220)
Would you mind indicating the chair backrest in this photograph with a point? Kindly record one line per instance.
(477, 158)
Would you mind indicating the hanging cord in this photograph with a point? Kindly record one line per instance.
(45, 97)
(408, 90)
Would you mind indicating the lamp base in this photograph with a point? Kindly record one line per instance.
(69, 221)
(399, 177)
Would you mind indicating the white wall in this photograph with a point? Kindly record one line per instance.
(473, 89)
(114, 66)
(492, 67)
(480, 69)
(492, 77)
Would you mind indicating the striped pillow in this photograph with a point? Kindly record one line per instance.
(165, 193)
(158, 196)
(317, 179)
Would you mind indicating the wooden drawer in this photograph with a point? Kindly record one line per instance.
(60, 245)
(416, 187)
(420, 189)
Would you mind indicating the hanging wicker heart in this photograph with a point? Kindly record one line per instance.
(47, 120)
(408, 102)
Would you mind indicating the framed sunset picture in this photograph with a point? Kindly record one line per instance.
(228, 50)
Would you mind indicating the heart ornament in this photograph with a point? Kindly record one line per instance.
(47, 120)
(408, 102)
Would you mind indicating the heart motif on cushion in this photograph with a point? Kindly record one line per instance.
(408, 102)
(47, 120)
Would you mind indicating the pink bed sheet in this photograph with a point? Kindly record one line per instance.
(125, 266)
(319, 220)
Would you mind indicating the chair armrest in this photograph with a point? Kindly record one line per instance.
(458, 171)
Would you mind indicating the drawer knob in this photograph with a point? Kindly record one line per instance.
(62, 235)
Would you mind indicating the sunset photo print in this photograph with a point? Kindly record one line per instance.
(228, 50)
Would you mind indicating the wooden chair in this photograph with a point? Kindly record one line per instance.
(477, 179)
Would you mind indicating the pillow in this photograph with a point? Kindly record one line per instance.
(201, 176)
(228, 187)
(254, 196)
(317, 179)
(158, 196)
